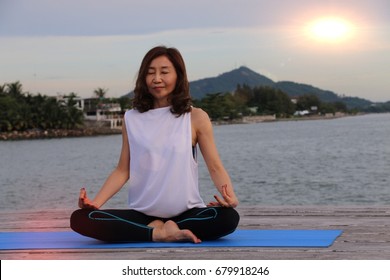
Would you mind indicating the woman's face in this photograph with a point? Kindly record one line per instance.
(161, 80)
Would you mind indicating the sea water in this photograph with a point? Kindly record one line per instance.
(344, 161)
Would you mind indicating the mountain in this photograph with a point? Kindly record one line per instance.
(227, 82)
(295, 89)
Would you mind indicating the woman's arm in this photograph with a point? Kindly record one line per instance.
(204, 137)
(114, 182)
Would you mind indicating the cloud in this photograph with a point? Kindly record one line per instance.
(116, 17)
(123, 17)
(77, 45)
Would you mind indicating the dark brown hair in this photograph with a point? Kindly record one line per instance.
(179, 99)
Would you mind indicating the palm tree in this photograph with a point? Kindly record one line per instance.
(18, 112)
(3, 89)
(74, 116)
(15, 89)
(100, 92)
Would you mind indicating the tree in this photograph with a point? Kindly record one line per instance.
(73, 116)
(22, 111)
(242, 95)
(125, 103)
(217, 105)
(100, 92)
(15, 90)
(340, 106)
(3, 90)
(9, 113)
(15, 111)
(307, 101)
(269, 100)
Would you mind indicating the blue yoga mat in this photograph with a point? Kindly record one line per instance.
(240, 238)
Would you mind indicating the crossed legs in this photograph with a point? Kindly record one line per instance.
(194, 225)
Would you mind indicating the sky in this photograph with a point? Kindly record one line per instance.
(63, 46)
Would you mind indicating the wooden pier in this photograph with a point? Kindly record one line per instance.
(366, 235)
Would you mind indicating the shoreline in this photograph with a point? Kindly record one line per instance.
(56, 133)
(95, 130)
(272, 118)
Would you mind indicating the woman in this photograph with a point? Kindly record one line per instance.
(159, 144)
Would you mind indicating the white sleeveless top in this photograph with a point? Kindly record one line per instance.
(163, 171)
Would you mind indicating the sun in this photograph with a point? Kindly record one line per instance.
(330, 29)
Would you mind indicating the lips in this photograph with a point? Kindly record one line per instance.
(158, 88)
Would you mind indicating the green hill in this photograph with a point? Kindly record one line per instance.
(227, 82)
(295, 89)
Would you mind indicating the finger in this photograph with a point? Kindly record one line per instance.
(213, 203)
(90, 206)
(227, 197)
(82, 198)
(83, 193)
(225, 192)
(221, 202)
(81, 203)
(87, 205)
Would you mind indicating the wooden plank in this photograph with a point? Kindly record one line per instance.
(366, 235)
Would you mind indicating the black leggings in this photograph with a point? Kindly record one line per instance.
(123, 225)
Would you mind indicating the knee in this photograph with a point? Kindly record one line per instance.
(77, 219)
(228, 219)
(232, 218)
(227, 222)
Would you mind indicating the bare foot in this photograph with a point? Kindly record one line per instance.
(170, 232)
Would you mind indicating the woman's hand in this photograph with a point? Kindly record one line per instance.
(84, 201)
(228, 200)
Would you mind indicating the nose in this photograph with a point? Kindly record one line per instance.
(156, 78)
